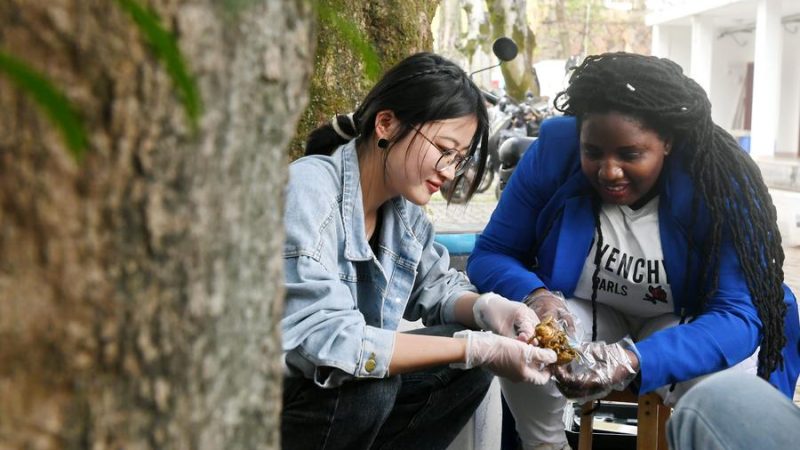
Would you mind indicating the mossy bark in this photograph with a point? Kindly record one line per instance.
(394, 28)
(141, 289)
(508, 18)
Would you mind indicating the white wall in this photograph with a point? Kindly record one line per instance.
(552, 77)
(789, 128)
(729, 68)
(728, 72)
(729, 61)
(677, 44)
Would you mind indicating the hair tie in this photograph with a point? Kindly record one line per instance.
(342, 134)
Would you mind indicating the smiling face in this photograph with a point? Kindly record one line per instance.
(412, 173)
(621, 157)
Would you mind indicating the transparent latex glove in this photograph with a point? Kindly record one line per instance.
(552, 304)
(504, 317)
(598, 369)
(506, 357)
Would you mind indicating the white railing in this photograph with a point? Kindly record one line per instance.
(660, 5)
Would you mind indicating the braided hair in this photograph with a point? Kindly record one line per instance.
(422, 88)
(728, 184)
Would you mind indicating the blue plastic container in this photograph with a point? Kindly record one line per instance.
(458, 243)
(744, 142)
(459, 246)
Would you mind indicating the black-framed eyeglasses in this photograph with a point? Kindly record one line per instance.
(450, 157)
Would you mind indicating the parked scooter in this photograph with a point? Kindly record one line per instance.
(510, 152)
(501, 116)
(511, 149)
(508, 119)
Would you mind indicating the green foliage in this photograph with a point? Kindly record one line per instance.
(166, 49)
(54, 103)
(352, 36)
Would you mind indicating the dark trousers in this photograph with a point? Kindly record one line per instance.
(420, 410)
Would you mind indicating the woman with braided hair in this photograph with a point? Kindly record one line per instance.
(635, 215)
(360, 256)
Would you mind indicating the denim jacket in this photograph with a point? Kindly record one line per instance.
(343, 302)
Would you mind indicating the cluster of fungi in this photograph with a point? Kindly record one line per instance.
(550, 335)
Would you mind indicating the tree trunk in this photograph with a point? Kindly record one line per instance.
(449, 32)
(563, 31)
(476, 43)
(394, 29)
(141, 289)
(509, 18)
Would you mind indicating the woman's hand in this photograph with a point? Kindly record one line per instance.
(550, 304)
(506, 357)
(599, 369)
(504, 317)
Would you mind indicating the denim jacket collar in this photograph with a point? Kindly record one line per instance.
(356, 246)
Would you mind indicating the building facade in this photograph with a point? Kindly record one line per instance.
(746, 55)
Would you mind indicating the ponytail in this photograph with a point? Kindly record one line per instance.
(325, 139)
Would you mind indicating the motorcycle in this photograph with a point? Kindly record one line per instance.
(505, 50)
(512, 148)
(510, 152)
(508, 119)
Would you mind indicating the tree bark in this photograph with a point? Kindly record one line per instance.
(509, 18)
(141, 289)
(563, 32)
(449, 31)
(393, 28)
(476, 43)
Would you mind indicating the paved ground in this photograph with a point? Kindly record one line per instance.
(473, 217)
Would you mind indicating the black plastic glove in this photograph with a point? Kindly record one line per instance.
(506, 357)
(598, 369)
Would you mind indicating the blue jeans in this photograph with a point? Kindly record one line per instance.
(731, 411)
(419, 410)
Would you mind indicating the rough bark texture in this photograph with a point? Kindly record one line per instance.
(463, 34)
(563, 33)
(448, 30)
(141, 289)
(509, 18)
(394, 28)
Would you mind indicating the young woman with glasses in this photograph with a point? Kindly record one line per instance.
(360, 256)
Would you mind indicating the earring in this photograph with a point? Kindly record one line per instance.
(383, 143)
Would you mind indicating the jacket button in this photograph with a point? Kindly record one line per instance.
(370, 365)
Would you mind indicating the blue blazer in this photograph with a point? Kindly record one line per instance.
(543, 228)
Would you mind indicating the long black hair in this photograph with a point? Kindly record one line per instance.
(422, 88)
(727, 181)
